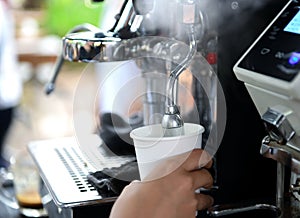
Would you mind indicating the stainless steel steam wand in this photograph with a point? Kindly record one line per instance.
(172, 121)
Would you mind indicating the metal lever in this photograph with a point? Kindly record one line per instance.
(228, 209)
(60, 59)
(50, 86)
(278, 126)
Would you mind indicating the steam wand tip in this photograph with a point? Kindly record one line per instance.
(172, 122)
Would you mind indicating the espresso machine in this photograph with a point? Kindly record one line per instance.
(157, 66)
(270, 72)
(154, 67)
(166, 64)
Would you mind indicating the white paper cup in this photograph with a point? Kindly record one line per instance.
(153, 150)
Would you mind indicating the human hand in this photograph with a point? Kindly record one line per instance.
(171, 196)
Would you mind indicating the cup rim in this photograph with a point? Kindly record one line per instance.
(134, 136)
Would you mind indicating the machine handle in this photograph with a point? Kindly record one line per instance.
(228, 209)
(60, 59)
(58, 65)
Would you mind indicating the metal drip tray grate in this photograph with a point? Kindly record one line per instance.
(64, 169)
(78, 175)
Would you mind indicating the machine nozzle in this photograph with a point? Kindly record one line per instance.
(172, 122)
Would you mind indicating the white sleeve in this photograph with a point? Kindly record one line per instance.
(10, 78)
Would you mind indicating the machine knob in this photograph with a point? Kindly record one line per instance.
(295, 187)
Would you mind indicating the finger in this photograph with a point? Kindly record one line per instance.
(201, 179)
(198, 158)
(204, 201)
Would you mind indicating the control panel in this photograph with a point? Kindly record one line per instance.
(277, 51)
(270, 67)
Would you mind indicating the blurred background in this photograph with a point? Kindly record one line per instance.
(39, 26)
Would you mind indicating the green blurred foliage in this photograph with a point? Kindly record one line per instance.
(63, 15)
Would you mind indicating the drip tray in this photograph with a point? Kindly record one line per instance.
(64, 169)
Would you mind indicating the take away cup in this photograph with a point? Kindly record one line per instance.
(154, 150)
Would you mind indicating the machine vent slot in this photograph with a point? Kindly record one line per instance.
(75, 167)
